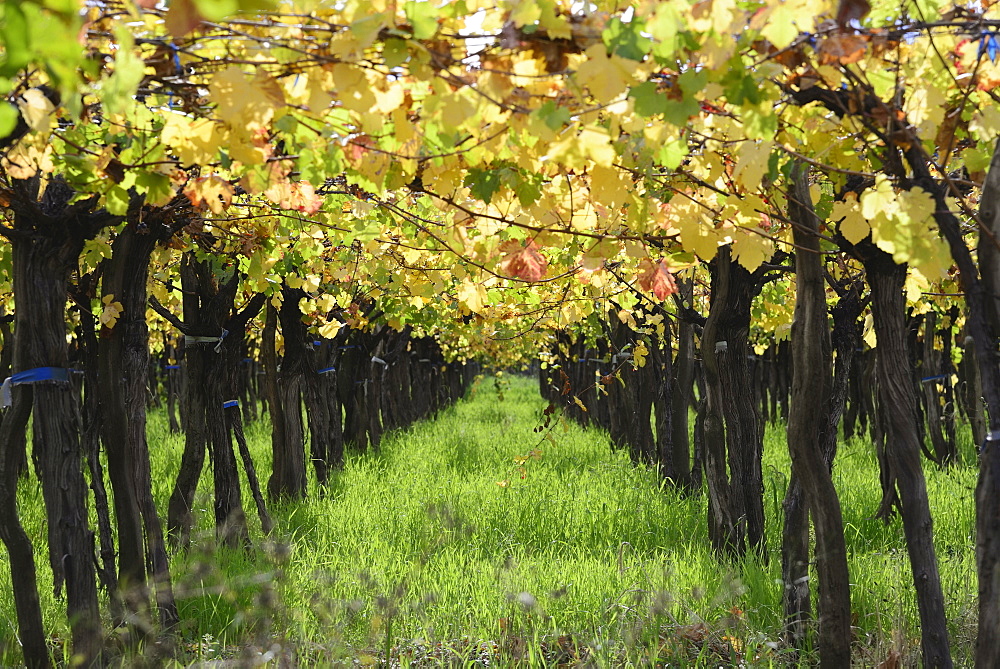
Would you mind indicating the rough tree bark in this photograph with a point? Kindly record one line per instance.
(732, 433)
(809, 414)
(983, 300)
(46, 240)
(214, 332)
(123, 376)
(898, 404)
(86, 350)
(944, 450)
(20, 551)
(288, 474)
(682, 390)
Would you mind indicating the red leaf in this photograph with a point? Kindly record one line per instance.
(524, 262)
(657, 279)
(358, 147)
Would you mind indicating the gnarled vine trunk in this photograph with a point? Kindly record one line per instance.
(47, 238)
(808, 433)
(898, 404)
(732, 432)
(123, 376)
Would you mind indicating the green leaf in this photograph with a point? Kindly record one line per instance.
(157, 187)
(663, 27)
(555, 117)
(527, 188)
(626, 39)
(759, 125)
(672, 153)
(118, 89)
(15, 36)
(648, 100)
(423, 17)
(394, 52)
(8, 119)
(483, 183)
(740, 85)
(116, 201)
(678, 112)
(977, 159)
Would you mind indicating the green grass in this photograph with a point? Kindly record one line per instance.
(417, 552)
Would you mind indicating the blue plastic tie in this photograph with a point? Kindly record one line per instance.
(229, 404)
(928, 379)
(40, 374)
(247, 360)
(326, 369)
(988, 44)
(171, 367)
(31, 376)
(317, 342)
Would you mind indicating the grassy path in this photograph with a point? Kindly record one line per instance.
(442, 545)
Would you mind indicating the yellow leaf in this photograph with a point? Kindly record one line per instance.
(639, 354)
(605, 78)
(193, 142)
(353, 88)
(111, 311)
(869, 335)
(330, 329)
(610, 186)
(25, 159)
(985, 123)
(751, 249)
(712, 14)
(36, 109)
(780, 25)
(853, 225)
(593, 143)
(390, 99)
(244, 103)
(471, 296)
(879, 205)
(525, 13)
(211, 192)
(456, 109)
(579, 403)
(752, 163)
(925, 104)
(697, 235)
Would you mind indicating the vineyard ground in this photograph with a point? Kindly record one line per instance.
(442, 549)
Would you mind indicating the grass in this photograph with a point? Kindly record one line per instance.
(443, 546)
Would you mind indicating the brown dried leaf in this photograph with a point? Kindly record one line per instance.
(182, 17)
(842, 49)
(894, 661)
(850, 10)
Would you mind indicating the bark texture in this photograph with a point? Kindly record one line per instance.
(46, 241)
(898, 403)
(808, 418)
(732, 433)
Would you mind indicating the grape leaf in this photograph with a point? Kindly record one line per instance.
(482, 183)
(627, 40)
